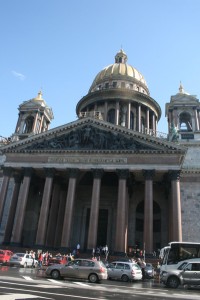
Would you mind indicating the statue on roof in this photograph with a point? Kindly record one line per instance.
(173, 136)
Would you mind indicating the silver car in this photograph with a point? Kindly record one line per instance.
(89, 269)
(124, 271)
(187, 274)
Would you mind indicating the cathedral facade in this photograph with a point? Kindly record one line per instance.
(108, 178)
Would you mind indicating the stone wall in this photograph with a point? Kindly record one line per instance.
(190, 201)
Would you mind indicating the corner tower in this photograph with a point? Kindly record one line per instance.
(119, 95)
(183, 114)
(34, 117)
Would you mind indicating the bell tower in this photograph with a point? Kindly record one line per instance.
(183, 114)
(34, 117)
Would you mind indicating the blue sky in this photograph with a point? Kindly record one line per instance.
(59, 46)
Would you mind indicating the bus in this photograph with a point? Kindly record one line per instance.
(173, 255)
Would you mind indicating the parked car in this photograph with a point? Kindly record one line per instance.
(188, 273)
(149, 271)
(58, 259)
(93, 271)
(22, 260)
(5, 256)
(124, 271)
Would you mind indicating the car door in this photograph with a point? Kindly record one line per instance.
(119, 270)
(71, 270)
(191, 274)
(111, 270)
(27, 260)
(86, 268)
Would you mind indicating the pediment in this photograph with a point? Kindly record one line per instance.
(91, 135)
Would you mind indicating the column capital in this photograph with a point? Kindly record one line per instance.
(97, 173)
(7, 171)
(49, 172)
(27, 171)
(148, 174)
(17, 177)
(73, 173)
(123, 173)
(174, 175)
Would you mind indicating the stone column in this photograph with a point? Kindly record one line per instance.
(176, 206)
(53, 215)
(148, 211)
(147, 120)
(153, 124)
(117, 113)
(35, 122)
(120, 235)
(94, 212)
(4, 188)
(41, 123)
(129, 116)
(196, 120)
(67, 226)
(12, 210)
(59, 225)
(139, 118)
(21, 207)
(44, 210)
(105, 111)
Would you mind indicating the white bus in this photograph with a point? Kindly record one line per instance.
(173, 255)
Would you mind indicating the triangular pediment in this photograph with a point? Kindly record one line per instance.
(91, 135)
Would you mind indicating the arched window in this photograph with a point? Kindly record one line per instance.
(185, 121)
(28, 126)
(111, 116)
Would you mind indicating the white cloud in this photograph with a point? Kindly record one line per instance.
(18, 75)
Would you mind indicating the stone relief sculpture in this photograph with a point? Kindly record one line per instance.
(88, 138)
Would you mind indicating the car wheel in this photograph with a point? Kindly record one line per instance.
(93, 278)
(25, 265)
(173, 282)
(55, 274)
(124, 278)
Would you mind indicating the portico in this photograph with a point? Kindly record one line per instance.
(81, 195)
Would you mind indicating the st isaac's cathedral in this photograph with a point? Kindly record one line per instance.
(109, 177)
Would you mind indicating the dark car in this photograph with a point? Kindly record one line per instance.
(58, 259)
(149, 271)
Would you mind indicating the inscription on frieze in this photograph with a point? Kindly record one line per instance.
(83, 160)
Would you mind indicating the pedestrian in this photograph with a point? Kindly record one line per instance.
(143, 265)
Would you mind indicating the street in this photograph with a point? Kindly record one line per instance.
(27, 283)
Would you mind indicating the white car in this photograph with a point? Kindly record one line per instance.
(23, 260)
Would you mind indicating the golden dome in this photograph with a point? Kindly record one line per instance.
(118, 72)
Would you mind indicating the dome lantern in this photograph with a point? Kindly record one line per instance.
(121, 57)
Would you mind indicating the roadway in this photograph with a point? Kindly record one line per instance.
(27, 283)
